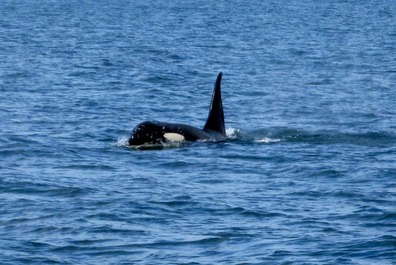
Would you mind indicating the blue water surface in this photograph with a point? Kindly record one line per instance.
(307, 175)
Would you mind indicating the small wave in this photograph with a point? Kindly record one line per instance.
(331, 137)
(21, 188)
(191, 240)
(282, 134)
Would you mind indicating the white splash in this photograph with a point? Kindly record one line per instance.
(266, 140)
(123, 141)
(233, 133)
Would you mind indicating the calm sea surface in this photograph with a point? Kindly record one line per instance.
(308, 175)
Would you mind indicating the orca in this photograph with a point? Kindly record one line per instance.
(154, 134)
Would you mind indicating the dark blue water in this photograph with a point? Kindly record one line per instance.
(308, 175)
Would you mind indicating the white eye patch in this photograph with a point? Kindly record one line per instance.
(174, 137)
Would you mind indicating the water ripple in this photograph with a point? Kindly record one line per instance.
(306, 175)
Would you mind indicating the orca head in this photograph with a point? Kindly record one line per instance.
(215, 123)
(147, 132)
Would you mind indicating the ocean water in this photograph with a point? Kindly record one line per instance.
(307, 176)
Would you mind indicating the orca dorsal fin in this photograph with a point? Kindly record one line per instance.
(215, 121)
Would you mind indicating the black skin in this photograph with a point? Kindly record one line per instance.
(153, 132)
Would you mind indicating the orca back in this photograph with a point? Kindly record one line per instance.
(215, 121)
